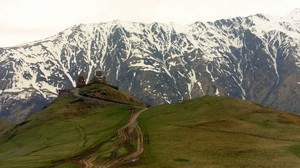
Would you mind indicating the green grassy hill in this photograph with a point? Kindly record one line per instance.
(202, 132)
(219, 132)
(65, 131)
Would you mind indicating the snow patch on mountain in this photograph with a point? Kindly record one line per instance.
(224, 57)
(294, 15)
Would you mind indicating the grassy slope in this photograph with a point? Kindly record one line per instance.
(203, 132)
(106, 92)
(62, 130)
(5, 125)
(219, 132)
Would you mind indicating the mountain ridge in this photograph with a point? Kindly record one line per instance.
(255, 58)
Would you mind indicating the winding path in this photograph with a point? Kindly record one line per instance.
(126, 132)
(129, 132)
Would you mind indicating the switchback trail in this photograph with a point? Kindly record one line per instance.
(126, 132)
(130, 133)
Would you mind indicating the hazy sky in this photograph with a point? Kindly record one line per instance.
(27, 20)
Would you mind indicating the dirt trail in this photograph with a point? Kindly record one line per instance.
(126, 133)
(130, 132)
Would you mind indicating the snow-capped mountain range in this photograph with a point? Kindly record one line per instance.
(255, 58)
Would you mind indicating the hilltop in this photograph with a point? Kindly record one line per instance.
(109, 94)
(72, 129)
(100, 125)
(220, 132)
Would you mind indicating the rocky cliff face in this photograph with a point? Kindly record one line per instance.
(255, 58)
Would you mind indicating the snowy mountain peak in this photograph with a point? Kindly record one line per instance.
(294, 15)
(255, 58)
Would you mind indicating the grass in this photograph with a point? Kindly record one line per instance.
(202, 132)
(295, 149)
(105, 92)
(219, 132)
(5, 126)
(62, 130)
(68, 165)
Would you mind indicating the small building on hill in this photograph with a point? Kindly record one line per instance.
(98, 78)
(80, 80)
